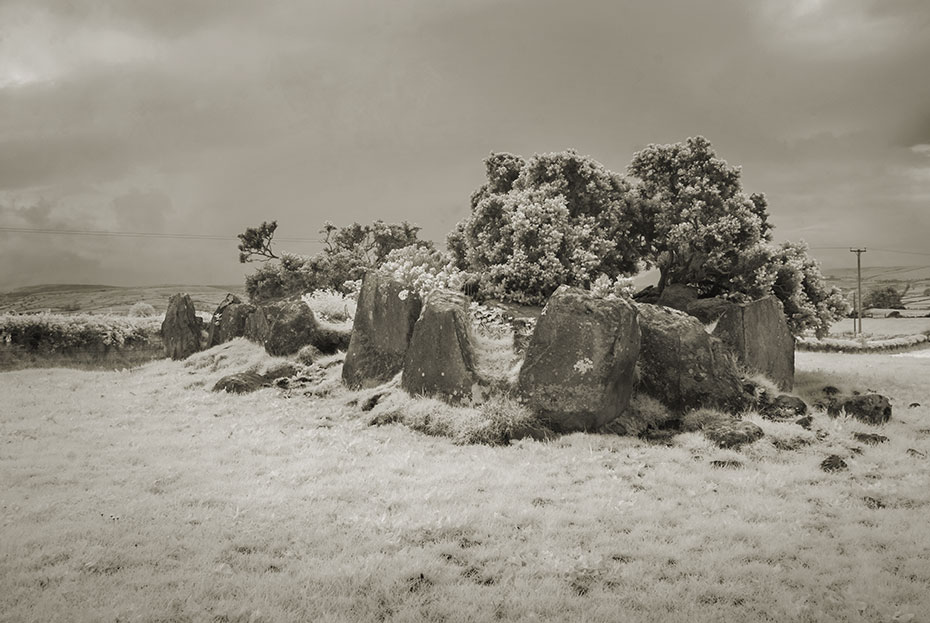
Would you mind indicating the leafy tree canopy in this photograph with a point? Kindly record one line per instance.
(255, 243)
(557, 218)
(702, 227)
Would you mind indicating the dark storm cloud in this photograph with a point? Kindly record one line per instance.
(235, 112)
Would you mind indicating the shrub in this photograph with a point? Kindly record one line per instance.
(142, 310)
(56, 332)
(422, 269)
(331, 304)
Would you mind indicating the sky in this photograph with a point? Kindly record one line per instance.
(204, 117)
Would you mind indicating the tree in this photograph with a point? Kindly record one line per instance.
(255, 243)
(348, 252)
(701, 226)
(883, 298)
(809, 303)
(554, 219)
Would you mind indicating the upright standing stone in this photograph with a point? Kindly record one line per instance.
(181, 327)
(578, 370)
(440, 360)
(228, 320)
(758, 334)
(684, 367)
(384, 320)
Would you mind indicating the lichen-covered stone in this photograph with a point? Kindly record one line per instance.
(384, 320)
(578, 369)
(440, 359)
(682, 366)
(181, 327)
(758, 335)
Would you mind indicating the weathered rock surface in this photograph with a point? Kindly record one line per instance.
(684, 367)
(384, 321)
(181, 327)
(258, 324)
(292, 327)
(578, 370)
(677, 296)
(228, 320)
(240, 383)
(440, 359)
(758, 334)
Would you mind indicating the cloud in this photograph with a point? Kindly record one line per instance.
(213, 116)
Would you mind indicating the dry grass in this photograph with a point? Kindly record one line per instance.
(142, 496)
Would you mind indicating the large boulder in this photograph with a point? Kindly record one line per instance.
(228, 320)
(440, 360)
(292, 327)
(180, 330)
(578, 369)
(258, 324)
(758, 334)
(384, 320)
(684, 367)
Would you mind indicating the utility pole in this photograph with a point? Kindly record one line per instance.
(859, 253)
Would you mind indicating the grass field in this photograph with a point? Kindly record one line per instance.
(142, 496)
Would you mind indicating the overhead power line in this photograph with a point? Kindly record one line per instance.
(872, 248)
(135, 234)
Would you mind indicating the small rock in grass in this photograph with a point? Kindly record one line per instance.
(873, 503)
(869, 438)
(870, 408)
(729, 464)
(805, 422)
(282, 370)
(784, 407)
(830, 390)
(916, 453)
(240, 383)
(733, 433)
(913, 405)
(833, 463)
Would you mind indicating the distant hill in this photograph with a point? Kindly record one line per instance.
(85, 298)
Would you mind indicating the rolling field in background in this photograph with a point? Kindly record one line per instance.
(109, 299)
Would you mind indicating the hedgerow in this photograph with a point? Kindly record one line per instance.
(837, 345)
(57, 332)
